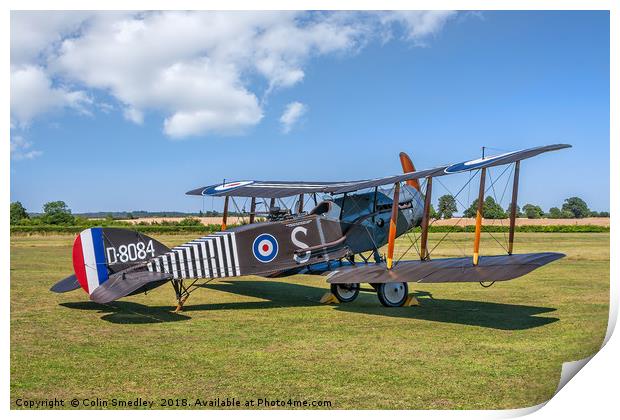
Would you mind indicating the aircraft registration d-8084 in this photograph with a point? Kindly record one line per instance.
(354, 218)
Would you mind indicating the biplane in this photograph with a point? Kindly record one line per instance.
(340, 238)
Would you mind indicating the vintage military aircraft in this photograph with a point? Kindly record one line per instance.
(354, 218)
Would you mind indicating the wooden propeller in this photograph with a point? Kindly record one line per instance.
(407, 165)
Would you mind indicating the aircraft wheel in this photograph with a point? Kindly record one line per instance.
(345, 293)
(392, 294)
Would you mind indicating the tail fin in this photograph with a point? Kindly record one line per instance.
(407, 165)
(100, 253)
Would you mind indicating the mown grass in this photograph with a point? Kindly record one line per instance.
(249, 338)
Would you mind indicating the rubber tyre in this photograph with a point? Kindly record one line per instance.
(345, 293)
(392, 295)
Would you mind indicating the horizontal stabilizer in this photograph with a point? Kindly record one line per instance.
(446, 270)
(66, 285)
(123, 284)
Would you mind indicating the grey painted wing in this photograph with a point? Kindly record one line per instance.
(446, 270)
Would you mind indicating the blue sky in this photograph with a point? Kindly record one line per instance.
(108, 124)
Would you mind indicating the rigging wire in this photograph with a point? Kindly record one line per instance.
(459, 202)
(416, 238)
(492, 187)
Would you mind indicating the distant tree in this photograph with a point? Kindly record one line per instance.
(433, 214)
(554, 213)
(490, 209)
(446, 206)
(130, 216)
(471, 211)
(603, 214)
(18, 212)
(519, 212)
(56, 213)
(532, 211)
(577, 207)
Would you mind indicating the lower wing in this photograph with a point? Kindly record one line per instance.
(445, 270)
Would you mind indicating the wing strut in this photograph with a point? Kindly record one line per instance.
(513, 207)
(393, 220)
(425, 219)
(479, 210)
(225, 215)
(252, 210)
(301, 204)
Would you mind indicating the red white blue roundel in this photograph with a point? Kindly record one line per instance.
(225, 187)
(477, 163)
(265, 248)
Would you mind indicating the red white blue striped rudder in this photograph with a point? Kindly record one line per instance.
(89, 260)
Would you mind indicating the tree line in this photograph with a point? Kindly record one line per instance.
(58, 213)
(572, 208)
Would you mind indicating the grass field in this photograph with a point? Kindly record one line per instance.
(250, 338)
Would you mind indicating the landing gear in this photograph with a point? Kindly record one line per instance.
(345, 293)
(392, 294)
(181, 292)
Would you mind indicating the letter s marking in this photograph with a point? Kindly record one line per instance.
(300, 259)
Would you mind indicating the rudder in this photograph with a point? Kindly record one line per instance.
(99, 253)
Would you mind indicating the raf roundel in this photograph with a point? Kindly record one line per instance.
(226, 187)
(265, 248)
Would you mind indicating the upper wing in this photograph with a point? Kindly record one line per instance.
(278, 189)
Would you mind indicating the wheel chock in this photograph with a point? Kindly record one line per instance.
(411, 301)
(329, 298)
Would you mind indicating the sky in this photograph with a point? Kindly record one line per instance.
(119, 111)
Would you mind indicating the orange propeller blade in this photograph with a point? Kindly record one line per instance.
(407, 165)
(393, 221)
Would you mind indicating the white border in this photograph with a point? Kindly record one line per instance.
(593, 393)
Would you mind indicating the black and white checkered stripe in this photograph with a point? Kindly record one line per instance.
(211, 256)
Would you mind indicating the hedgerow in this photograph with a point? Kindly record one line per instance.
(147, 229)
(524, 228)
(206, 229)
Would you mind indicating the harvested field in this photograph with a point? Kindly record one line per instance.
(596, 221)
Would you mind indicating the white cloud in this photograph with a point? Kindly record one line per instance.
(33, 33)
(418, 25)
(134, 115)
(202, 70)
(292, 113)
(22, 149)
(32, 94)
